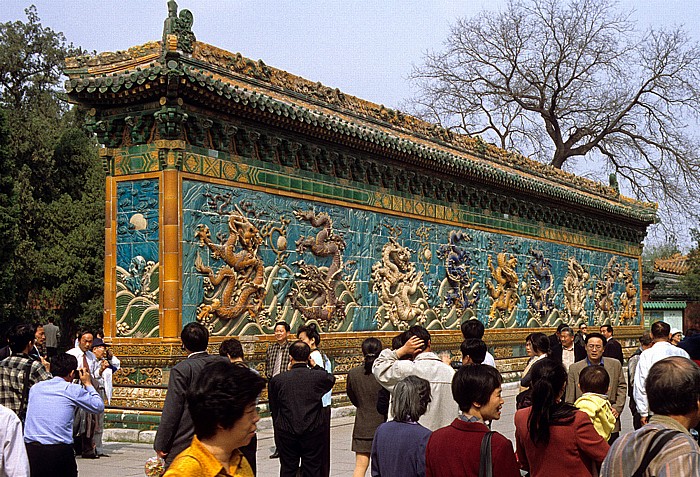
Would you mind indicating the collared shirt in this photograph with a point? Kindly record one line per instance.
(52, 405)
(91, 359)
(273, 351)
(318, 358)
(660, 350)
(568, 356)
(488, 359)
(680, 457)
(13, 454)
(197, 461)
(12, 378)
(470, 418)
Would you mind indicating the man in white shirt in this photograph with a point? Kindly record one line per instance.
(85, 422)
(661, 348)
(13, 455)
(389, 369)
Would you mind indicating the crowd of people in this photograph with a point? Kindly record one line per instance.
(51, 403)
(418, 413)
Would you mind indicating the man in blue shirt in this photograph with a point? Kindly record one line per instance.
(48, 430)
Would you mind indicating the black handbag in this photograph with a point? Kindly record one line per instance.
(485, 462)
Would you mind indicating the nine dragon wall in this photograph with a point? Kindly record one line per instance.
(251, 258)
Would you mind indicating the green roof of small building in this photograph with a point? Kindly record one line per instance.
(664, 305)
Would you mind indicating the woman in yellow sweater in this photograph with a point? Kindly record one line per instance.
(223, 405)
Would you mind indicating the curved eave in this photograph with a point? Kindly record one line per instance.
(202, 88)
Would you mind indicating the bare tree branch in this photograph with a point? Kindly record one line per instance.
(562, 81)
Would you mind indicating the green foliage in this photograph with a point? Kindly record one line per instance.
(51, 187)
(691, 281)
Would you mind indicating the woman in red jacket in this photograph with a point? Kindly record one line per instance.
(455, 450)
(554, 438)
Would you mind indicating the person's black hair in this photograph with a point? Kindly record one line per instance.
(195, 337)
(660, 330)
(475, 349)
(311, 332)
(84, 332)
(231, 348)
(548, 380)
(50, 319)
(645, 339)
(594, 379)
(595, 334)
(608, 328)
(371, 347)
(63, 364)
(567, 329)
(399, 340)
(282, 323)
(220, 396)
(420, 332)
(539, 342)
(300, 351)
(475, 384)
(473, 329)
(561, 327)
(673, 386)
(19, 336)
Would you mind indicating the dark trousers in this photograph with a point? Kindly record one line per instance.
(613, 437)
(326, 458)
(83, 442)
(51, 460)
(249, 452)
(308, 448)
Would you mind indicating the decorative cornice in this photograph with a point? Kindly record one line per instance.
(232, 84)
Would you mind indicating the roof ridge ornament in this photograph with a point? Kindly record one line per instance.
(180, 26)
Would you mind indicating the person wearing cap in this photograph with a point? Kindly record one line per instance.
(676, 336)
(108, 365)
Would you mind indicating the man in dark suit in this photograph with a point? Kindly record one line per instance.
(566, 351)
(617, 392)
(613, 348)
(295, 403)
(176, 429)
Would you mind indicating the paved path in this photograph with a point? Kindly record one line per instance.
(127, 459)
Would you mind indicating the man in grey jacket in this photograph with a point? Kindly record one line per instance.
(389, 369)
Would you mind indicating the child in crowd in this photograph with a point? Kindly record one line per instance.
(594, 382)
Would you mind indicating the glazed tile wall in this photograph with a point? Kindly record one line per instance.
(357, 270)
(137, 258)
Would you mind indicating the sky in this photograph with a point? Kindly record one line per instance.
(363, 47)
(366, 48)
